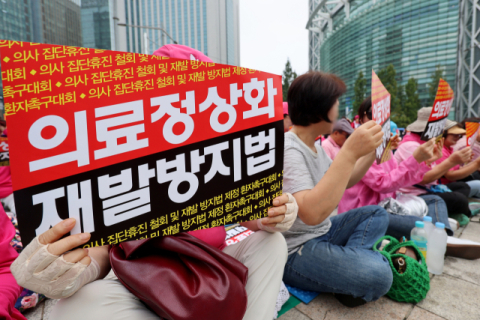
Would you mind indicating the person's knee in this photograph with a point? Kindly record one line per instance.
(274, 243)
(381, 215)
(90, 295)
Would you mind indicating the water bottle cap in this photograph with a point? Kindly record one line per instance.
(440, 225)
(419, 224)
(427, 218)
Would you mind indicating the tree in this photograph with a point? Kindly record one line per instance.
(360, 91)
(433, 85)
(411, 104)
(387, 76)
(288, 76)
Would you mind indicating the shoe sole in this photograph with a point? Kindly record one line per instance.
(464, 251)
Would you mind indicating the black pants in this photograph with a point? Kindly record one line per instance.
(457, 200)
(474, 176)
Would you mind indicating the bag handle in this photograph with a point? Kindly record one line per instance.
(393, 241)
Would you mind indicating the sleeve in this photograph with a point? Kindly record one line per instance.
(407, 173)
(404, 151)
(296, 176)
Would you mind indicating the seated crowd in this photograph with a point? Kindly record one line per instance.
(318, 236)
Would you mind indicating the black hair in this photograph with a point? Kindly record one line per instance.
(312, 95)
(363, 109)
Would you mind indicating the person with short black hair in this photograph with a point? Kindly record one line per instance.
(331, 254)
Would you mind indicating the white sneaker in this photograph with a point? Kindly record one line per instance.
(453, 224)
(463, 248)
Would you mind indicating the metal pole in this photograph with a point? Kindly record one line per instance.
(145, 40)
(147, 27)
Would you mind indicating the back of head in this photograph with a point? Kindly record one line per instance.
(178, 51)
(312, 95)
(364, 107)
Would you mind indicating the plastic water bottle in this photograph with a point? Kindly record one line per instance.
(419, 237)
(436, 249)
(427, 221)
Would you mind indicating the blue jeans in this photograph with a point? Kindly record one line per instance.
(400, 226)
(474, 188)
(342, 260)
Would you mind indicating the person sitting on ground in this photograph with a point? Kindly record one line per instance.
(453, 133)
(462, 144)
(341, 131)
(457, 200)
(264, 254)
(383, 181)
(287, 123)
(331, 254)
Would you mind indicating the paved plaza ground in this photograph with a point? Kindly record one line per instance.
(453, 295)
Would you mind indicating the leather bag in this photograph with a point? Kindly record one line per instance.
(180, 277)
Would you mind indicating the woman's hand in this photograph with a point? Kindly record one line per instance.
(364, 140)
(48, 266)
(395, 141)
(281, 216)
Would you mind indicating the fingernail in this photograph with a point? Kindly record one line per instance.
(68, 222)
(84, 236)
(276, 202)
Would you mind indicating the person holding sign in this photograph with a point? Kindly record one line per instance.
(474, 144)
(456, 201)
(331, 254)
(453, 133)
(383, 181)
(263, 253)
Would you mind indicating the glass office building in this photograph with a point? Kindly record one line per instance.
(96, 20)
(415, 36)
(210, 26)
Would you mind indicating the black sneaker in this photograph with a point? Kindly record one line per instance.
(349, 301)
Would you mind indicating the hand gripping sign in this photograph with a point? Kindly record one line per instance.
(381, 115)
(4, 154)
(441, 109)
(472, 132)
(136, 146)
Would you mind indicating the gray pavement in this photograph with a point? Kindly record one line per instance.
(453, 295)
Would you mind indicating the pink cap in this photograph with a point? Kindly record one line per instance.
(357, 116)
(178, 51)
(285, 108)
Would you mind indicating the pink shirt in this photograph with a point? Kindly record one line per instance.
(446, 152)
(330, 147)
(382, 181)
(405, 151)
(462, 143)
(5, 178)
(213, 236)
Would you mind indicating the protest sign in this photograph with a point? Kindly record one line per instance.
(472, 132)
(4, 154)
(441, 109)
(136, 146)
(381, 115)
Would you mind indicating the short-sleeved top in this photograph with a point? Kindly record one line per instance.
(302, 170)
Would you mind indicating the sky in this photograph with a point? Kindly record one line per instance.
(272, 31)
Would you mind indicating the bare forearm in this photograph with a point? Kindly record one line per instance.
(462, 172)
(361, 167)
(100, 254)
(437, 172)
(317, 204)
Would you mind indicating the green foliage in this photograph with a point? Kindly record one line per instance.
(387, 76)
(433, 85)
(360, 91)
(288, 76)
(410, 105)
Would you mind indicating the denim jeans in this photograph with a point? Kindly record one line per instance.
(342, 260)
(474, 188)
(400, 226)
